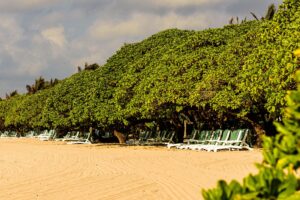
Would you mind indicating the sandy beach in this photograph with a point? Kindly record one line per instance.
(32, 169)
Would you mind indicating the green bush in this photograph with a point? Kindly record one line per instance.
(277, 177)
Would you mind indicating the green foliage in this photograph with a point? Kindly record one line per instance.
(239, 72)
(277, 177)
(70, 103)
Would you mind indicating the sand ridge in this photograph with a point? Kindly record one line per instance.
(32, 169)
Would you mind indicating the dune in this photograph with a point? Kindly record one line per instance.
(32, 169)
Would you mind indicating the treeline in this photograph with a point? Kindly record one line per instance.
(227, 77)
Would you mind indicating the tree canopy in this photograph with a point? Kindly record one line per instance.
(236, 73)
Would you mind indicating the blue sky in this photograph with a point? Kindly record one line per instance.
(50, 38)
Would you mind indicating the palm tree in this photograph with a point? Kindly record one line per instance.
(39, 83)
(29, 89)
(270, 12)
(255, 17)
(12, 94)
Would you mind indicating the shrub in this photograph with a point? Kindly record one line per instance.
(277, 177)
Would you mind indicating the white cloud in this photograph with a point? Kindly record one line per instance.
(10, 31)
(55, 35)
(181, 3)
(141, 25)
(23, 5)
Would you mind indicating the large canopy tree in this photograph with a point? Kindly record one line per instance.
(227, 76)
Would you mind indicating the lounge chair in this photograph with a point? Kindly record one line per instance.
(143, 137)
(30, 134)
(241, 143)
(161, 137)
(168, 137)
(236, 141)
(4, 134)
(47, 135)
(202, 138)
(194, 133)
(85, 140)
(195, 137)
(210, 140)
(218, 138)
(70, 137)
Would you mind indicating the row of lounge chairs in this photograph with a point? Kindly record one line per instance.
(200, 140)
(8, 134)
(215, 140)
(76, 138)
(154, 138)
(69, 138)
(46, 135)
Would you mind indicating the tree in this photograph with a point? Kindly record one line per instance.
(276, 178)
(11, 94)
(219, 77)
(270, 12)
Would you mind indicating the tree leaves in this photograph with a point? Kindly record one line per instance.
(238, 71)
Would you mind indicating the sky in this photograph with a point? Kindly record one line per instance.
(50, 38)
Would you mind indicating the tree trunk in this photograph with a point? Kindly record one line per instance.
(260, 133)
(121, 137)
(259, 130)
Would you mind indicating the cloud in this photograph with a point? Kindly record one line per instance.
(140, 25)
(24, 5)
(181, 3)
(10, 31)
(55, 35)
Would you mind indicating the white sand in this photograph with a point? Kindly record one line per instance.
(31, 169)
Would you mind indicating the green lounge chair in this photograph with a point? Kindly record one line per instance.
(200, 138)
(223, 137)
(236, 141)
(168, 137)
(143, 137)
(214, 138)
(194, 134)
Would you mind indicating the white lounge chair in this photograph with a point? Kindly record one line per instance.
(82, 140)
(218, 138)
(213, 139)
(70, 137)
(236, 141)
(47, 135)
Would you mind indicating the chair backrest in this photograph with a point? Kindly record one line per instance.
(164, 135)
(142, 134)
(209, 135)
(225, 135)
(53, 134)
(216, 135)
(202, 135)
(234, 135)
(169, 136)
(77, 134)
(194, 134)
(152, 134)
(243, 135)
(68, 135)
(88, 136)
